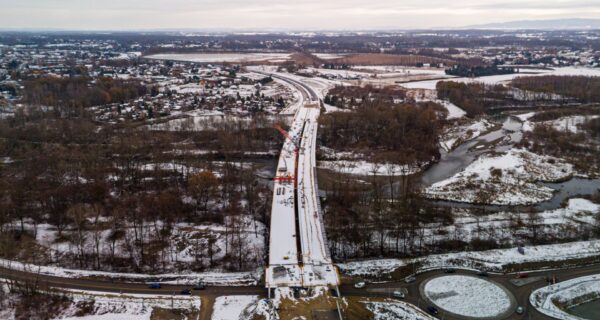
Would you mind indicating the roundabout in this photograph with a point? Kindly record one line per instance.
(468, 297)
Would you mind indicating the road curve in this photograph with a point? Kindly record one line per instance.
(521, 293)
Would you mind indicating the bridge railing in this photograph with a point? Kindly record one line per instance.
(320, 211)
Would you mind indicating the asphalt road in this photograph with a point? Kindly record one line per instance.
(115, 286)
(306, 90)
(521, 293)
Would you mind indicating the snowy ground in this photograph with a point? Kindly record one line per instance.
(91, 305)
(329, 56)
(360, 167)
(391, 69)
(187, 245)
(337, 74)
(454, 112)
(431, 84)
(233, 307)
(507, 228)
(125, 306)
(467, 296)
(492, 260)
(507, 179)
(203, 120)
(571, 123)
(553, 300)
(392, 75)
(187, 278)
(222, 57)
(396, 310)
(454, 136)
(353, 163)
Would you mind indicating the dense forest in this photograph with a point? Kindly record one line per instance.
(395, 133)
(583, 89)
(74, 93)
(352, 96)
(477, 71)
(474, 98)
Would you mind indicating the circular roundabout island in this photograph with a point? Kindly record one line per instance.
(468, 297)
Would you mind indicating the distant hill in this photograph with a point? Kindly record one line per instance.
(556, 24)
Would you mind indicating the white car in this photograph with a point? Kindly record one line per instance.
(398, 294)
(520, 310)
(360, 285)
(410, 279)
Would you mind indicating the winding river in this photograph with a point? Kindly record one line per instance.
(506, 137)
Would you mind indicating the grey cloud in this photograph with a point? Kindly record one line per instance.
(314, 14)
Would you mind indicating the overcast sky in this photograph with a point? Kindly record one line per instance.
(281, 14)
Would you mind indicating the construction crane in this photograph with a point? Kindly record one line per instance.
(282, 171)
(287, 136)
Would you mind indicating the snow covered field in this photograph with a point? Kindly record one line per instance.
(232, 307)
(507, 179)
(391, 69)
(396, 310)
(222, 57)
(467, 296)
(554, 299)
(337, 73)
(126, 306)
(493, 260)
(566, 71)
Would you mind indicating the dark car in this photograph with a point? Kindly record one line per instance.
(200, 286)
(482, 274)
(154, 285)
(186, 292)
(449, 270)
(432, 310)
(521, 275)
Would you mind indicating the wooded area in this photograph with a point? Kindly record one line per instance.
(74, 93)
(474, 98)
(582, 88)
(117, 196)
(401, 133)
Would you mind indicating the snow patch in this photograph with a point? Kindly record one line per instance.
(396, 310)
(467, 296)
(507, 179)
(551, 300)
(232, 307)
(368, 168)
(492, 260)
